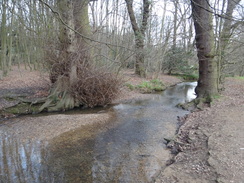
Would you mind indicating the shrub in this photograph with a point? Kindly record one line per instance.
(96, 87)
(90, 86)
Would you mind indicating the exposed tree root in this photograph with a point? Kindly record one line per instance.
(60, 97)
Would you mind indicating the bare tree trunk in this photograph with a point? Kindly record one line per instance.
(10, 39)
(224, 39)
(175, 23)
(3, 59)
(139, 33)
(162, 23)
(189, 41)
(207, 83)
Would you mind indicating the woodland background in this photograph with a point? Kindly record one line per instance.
(33, 33)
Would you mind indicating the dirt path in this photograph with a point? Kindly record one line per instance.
(212, 142)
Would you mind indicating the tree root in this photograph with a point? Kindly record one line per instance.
(60, 98)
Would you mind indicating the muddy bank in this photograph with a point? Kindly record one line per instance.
(211, 142)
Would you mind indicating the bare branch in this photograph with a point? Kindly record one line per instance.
(77, 32)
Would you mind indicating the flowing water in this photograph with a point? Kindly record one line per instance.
(130, 149)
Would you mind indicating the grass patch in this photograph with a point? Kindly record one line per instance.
(154, 85)
(216, 96)
(239, 77)
(130, 86)
(187, 77)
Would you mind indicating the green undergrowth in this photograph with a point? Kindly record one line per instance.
(23, 108)
(239, 77)
(187, 77)
(154, 85)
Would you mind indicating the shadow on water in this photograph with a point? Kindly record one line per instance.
(128, 149)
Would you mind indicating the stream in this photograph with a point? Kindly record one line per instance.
(129, 149)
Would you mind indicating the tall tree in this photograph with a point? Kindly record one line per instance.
(208, 76)
(224, 38)
(139, 32)
(3, 56)
(76, 81)
(176, 4)
(73, 15)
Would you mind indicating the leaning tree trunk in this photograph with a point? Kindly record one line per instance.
(139, 32)
(208, 77)
(72, 54)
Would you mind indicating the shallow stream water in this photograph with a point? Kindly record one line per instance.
(130, 149)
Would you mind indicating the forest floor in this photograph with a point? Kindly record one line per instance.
(210, 141)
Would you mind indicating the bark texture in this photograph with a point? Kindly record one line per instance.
(208, 77)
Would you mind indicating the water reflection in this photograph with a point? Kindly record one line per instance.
(130, 149)
(71, 156)
(180, 93)
(67, 158)
(21, 161)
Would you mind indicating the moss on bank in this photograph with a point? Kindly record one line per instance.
(20, 106)
(23, 108)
